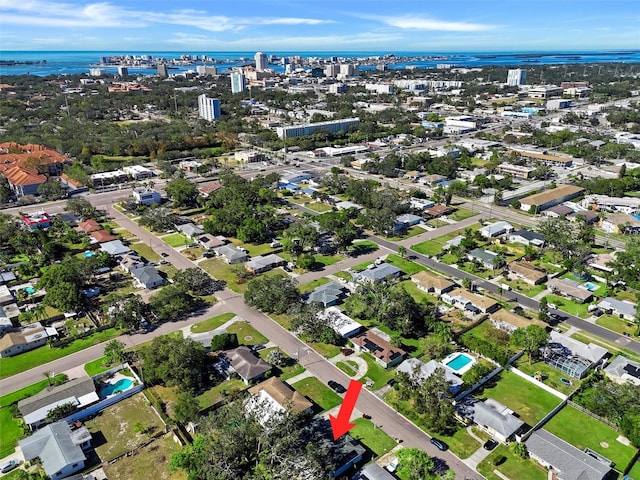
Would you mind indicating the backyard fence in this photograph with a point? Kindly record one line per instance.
(591, 414)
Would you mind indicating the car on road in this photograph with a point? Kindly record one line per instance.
(557, 316)
(164, 254)
(490, 444)
(336, 386)
(10, 465)
(439, 444)
(347, 351)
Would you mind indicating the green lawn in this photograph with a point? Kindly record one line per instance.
(289, 369)
(616, 324)
(525, 288)
(326, 260)
(212, 323)
(327, 350)
(96, 366)
(25, 392)
(176, 240)
(247, 335)
(319, 207)
(551, 376)
(375, 372)
(343, 275)
(412, 232)
(569, 306)
(462, 214)
(373, 438)
(346, 368)
(460, 443)
(407, 266)
(25, 361)
(221, 270)
(307, 287)
(145, 251)
(418, 295)
(12, 431)
(219, 392)
(430, 247)
(514, 468)
(583, 431)
(319, 393)
(530, 402)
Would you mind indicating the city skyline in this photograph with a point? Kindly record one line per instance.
(374, 25)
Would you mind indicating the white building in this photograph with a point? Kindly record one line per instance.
(206, 70)
(332, 126)
(208, 108)
(238, 82)
(261, 61)
(379, 88)
(146, 196)
(516, 76)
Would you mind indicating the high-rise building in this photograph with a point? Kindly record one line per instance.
(238, 82)
(208, 108)
(516, 76)
(123, 71)
(162, 70)
(206, 70)
(261, 61)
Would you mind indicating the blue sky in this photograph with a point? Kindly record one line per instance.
(319, 25)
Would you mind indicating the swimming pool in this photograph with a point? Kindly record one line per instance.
(30, 290)
(88, 254)
(590, 286)
(119, 386)
(459, 362)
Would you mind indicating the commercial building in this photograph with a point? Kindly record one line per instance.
(542, 201)
(146, 196)
(520, 171)
(516, 76)
(629, 205)
(261, 61)
(238, 82)
(208, 108)
(332, 126)
(206, 70)
(545, 91)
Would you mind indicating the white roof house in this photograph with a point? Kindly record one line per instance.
(339, 322)
(495, 229)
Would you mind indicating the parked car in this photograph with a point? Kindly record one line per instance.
(439, 444)
(393, 466)
(337, 387)
(257, 348)
(347, 351)
(164, 254)
(490, 444)
(208, 254)
(391, 382)
(10, 465)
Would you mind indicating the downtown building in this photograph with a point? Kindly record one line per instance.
(516, 76)
(238, 82)
(208, 108)
(332, 126)
(261, 61)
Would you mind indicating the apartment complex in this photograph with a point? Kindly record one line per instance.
(208, 108)
(332, 126)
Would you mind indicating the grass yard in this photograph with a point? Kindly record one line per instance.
(175, 240)
(377, 374)
(318, 393)
(221, 270)
(308, 287)
(26, 361)
(150, 462)
(412, 232)
(247, 335)
(346, 276)
(514, 467)
(430, 247)
(346, 368)
(407, 266)
(290, 369)
(318, 207)
(25, 392)
(530, 402)
(583, 431)
(326, 260)
(616, 324)
(569, 306)
(325, 349)
(219, 392)
(373, 438)
(145, 251)
(283, 319)
(418, 295)
(12, 431)
(114, 431)
(462, 214)
(461, 443)
(96, 366)
(551, 376)
(212, 323)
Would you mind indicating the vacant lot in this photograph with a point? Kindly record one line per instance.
(318, 393)
(123, 427)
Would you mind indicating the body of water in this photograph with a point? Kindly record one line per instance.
(79, 62)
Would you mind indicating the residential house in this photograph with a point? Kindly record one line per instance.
(403, 222)
(34, 409)
(571, 289)
(541, 201)
(527, 273)
(342, 324)
(190, 230)
(274, 397)
(231, 255)
(146, 196)
(384, 353)
(621, 308)
(601, 261)
(629, 205)
(346, 205)
(432, 283)
(246, 364)
(485, 257)
(264, 263)
(572, 357)
(623, 370)
(373, 471)
(60, 449)
(27, 338)
(6, 323)
(496, 229)
(563, 460)
(420, 371)
(509, 322)
(439, 211)
(6, 296)
(558, 211)
(103, 236)
(115, 248)
(527, 237)
(210, 242)
(208, 188)
(620, 223)
(34, 221)
(586, 215)
(7, 277)
(433, 180)
(24, 181)
(454, 242)
(379, 273)
(420, 203)
(89, 226)
(328, 294)
(146, 276)
(130, 261)
(465, 300)
(492, 417)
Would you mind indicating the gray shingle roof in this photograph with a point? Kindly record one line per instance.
(425, 370)
(623, 366)
(492, 414)
(115, 247)
(147, 275)
(74, 388)
(55, 447)
(627, 308)
(328, 293)
(381, 272)
(572, 463)
(246, 364)
(264, 261)
(373, 471)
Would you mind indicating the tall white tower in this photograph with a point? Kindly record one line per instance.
(516, 76)
(261, 61)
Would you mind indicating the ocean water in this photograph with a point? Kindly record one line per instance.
(79, 62)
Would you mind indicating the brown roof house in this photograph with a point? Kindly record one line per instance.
(273, 397)
(527, 273)
(384, 353)
(89, 226)
(431, 283)
(509, 322)
(246, 364)
(570, 288)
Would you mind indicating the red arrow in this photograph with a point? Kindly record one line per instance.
(341, 424)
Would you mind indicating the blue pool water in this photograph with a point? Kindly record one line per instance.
(590, 286)
(459, 362)
(121, 385)
(88, 254)
(30, 290)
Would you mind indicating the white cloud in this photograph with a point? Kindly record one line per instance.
(416, 22)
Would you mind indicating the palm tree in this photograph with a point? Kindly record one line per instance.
(402, 251)
(39, 312)
(48, 375)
